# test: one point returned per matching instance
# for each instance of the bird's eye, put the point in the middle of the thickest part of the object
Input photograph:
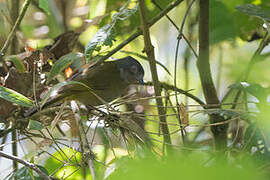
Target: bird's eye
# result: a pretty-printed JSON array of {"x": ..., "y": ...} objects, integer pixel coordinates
[{"x": 133, "y": 69}]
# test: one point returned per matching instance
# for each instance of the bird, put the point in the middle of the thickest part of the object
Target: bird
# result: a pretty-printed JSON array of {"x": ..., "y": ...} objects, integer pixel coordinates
[{"x": 103, "y": 83}]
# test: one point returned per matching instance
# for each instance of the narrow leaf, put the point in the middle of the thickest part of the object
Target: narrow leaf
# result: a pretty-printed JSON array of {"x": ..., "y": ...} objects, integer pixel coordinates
[
  {"x": 125, "y": 12},
  {"x": 63, "y": 63},
  {"x": 55, "y": 88},
  {"x": 35, "y": 125},
  {"x": 106, "y": 35},
  {"x": 253, "y": 10},
  {"x": 15, "y": 97},
  {"x": 17, "y": 63},
  {"x": 44, "y": 4}
]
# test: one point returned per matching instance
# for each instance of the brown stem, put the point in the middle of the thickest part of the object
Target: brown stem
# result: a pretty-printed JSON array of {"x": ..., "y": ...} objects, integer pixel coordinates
[
  {"x": 203, "y": 65},
  {"x": 13, "y": 50},
  {"x": 181, "y": 91},
  {"x": 28, "y": 164},
  {"x": 149, "y": 49},
  {"x": 88, "y": 155},
  {"x": 16, "y": 25},
  {"x": 252, "y": 61},
  {"x": 64, "y": 5},
  {"x": 176, "y": 27},
  {"x": 14, "y": 149},
  {"x": 139, "y": 31}
]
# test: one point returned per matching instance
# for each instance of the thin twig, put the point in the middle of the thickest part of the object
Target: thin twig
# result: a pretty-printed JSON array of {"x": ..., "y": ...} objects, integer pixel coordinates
[
  {"x": 145, "y": 58},
  {"x": 149, "y": 49},
  {"x": 139, "y": 31},
  {"x": 176, "y": 54},
  {"x": 171, "y": 87},
  {"x": 53, "y": 139},
  {"x": 253, "y": 60},
  {"x": 26, "y": 163},
  {"x": 204, "y": 69},
  {"x": 220, "y": 64},
  {"x": 175, "y": 70},
  {"x": 16, "y": 25},
  {"x": 13, "y": 50},
  {"x": 178, "y": 29},
  {"x": 88, "y": 155}
]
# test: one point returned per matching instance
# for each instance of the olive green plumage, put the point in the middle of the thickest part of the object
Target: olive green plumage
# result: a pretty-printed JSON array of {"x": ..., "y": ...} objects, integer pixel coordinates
[{"x": 107, "y": 81}]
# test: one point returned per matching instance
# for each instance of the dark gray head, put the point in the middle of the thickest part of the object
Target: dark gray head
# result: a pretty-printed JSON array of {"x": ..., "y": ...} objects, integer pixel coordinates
[{"x": 131, "y": 71}]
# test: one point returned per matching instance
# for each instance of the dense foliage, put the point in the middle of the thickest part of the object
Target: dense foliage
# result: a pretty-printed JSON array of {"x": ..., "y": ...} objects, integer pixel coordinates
[{"x": 203, "y": 114}]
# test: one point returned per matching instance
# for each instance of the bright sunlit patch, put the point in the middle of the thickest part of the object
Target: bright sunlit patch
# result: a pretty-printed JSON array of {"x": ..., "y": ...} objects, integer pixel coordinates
[
  {"x": 42, "y": 76},
  {"x": 38, "y": 43},
  {"x": 132, "y": 5},
  {"x": 81, "y": 2},
  {"x": 80, "y": 11},
  {"x": 98, "y": 8},
  {"x": 76, "y": 22},
  {"x": 150, "y": 90},
  {"x": 87, "y": 35},
  {"x": 39, "y": 16},
  {"x": 65, "y": 127},
  {"x": 257, "y": 2},
  {"x": 113, "y": 13},
  {"x": 54, "y": 93},
  {"x": 95, "y": 123},
  {"x": 244, "y": 84},
  {"x": 2, "y": 126},
  {"x": 42, "y": 30},
  {"x": 139, "y": 108}
]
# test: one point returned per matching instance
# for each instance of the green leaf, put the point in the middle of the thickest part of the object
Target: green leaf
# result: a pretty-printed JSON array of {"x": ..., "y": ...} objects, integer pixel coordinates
[
  {"x": 43, "y": 169},
  {"x": 63, "y": 63},
  {"x": 15, "y": 97},
  {"x": 52, "y": 164},
  {"x": 125, "y": 12},
  {"x": 239, "y": 86},
  {"x": 106, "y": 34},
  {"x": 222, "y": 26},
  {"x": 253, "y": 89},
  {"x": 57, "y": 87},
  {"x": 17, "y": 63},
  {"x": 257, "y": 91},
  {"x": 35, "y": 125},
  {"x": 44, "y": 4},
  {"x": 253, "y": 10},
  {"x": 26, "y": 173},
  {"x": 21, "y": 174},
  {"x": 191, "y": 167}
]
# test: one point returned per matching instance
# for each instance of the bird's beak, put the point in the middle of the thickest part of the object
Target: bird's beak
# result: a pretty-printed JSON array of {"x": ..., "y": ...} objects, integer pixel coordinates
[{"x": 141, "y": 81}]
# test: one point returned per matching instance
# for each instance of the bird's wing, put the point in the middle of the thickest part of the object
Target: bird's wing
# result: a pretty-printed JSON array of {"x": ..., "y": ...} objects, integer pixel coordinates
[{"x": 98, "y": 77}]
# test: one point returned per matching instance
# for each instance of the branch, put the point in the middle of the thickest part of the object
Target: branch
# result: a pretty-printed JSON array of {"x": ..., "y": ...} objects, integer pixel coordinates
[
  {"x": 181, "y": 91},
  {"x": 16, "y": 25},
  {"x": 88, "y": 155},
  {"x": 175, "y": 68},
  {"x": 139, "y": 31},
  {"x": 149, "y": 49},
  {"x": 176, "y": 27},
  {"x": 13, "y": 50},
  {"x": 26, "y": 163},
  {"x": 203, "y": 65},
  {"x": 252, "y": 61}
]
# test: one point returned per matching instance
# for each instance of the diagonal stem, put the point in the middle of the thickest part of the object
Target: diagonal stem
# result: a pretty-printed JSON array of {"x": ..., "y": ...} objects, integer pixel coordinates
[
  {"x": 209, "y": 90},
  {"x": 149, "y": 49},
  {"x": 13, "y": 30}
]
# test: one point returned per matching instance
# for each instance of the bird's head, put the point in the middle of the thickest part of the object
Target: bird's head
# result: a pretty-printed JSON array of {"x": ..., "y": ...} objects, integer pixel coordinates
[{"x": 131, "y": 71}]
